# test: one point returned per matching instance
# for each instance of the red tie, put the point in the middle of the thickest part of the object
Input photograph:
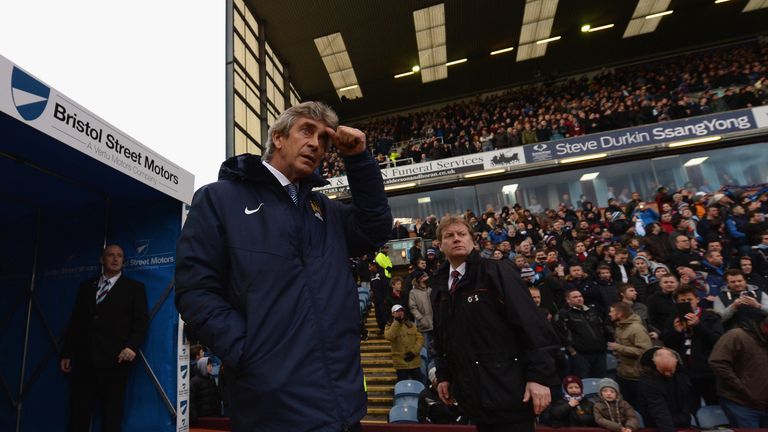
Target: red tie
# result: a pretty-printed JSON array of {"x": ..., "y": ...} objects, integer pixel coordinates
[{"x": 455, "y": 275}]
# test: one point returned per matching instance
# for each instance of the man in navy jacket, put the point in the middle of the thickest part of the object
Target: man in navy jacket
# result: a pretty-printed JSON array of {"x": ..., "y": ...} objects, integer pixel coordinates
[{"x": 263, "y": 276}]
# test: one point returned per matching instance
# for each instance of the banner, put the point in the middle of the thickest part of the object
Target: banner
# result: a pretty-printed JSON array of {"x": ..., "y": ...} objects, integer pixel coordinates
[
  {"x": 24, "y": 97},
  {"x": 657, "y": 133},
  {"x": 439, "y": 168}
]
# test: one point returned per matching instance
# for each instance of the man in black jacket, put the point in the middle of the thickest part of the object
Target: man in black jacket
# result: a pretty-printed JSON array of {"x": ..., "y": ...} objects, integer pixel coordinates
[
  {"x": 664, "y": 391},
  {"x": 493, "y": 349},
  {"x": 693, "y": 336},
  {"x": 107, "y": 328},
  {"x": 585, "y": 336},
  {"x": 661, "y": 305}
]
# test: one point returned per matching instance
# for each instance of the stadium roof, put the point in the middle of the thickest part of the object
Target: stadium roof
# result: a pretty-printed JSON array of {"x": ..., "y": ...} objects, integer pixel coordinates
[{"x": 381, "y": 40}]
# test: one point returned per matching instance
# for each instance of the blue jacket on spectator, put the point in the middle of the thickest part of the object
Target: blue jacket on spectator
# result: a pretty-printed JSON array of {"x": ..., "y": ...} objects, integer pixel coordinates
[
  {"x": 269, "y": 291},
  {"x": 646, "y": 215}
]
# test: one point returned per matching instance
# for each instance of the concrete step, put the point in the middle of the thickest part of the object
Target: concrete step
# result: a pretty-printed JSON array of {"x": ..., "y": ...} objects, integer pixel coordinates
[
  {"x": 374, "y": 420},
  {"x": 377, "y": 362},
  {"x": 375, "y": 348},
  {"x": 380, "y": 388},
  {"x": 379, "y": 370},
  {"x": 380, "y": 400},
  {"x": 379, "y": 379},
  {"x": 378, "y": 411}
]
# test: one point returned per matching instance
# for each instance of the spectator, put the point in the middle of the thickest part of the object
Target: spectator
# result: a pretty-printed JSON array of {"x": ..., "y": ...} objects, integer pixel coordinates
[
  {"x": 628, "y": 295},
  {"x": 621, "y": 268},
  {"x": 605, "y": 288},
  {"x": 396, "y": 296},
  {"x": 682, "y": 254},
  {"x": 379, "y": 288},
  {"x": 432, "y": 410},
  {"x": 661, "y": 305},
  {"x": 642, "y": 279},
  {"x": 428, "y": 228},
  {"x": 740, "y": 302},
  {"x": 632, "y": 340},
  {"x": 384, "y": 263},
  {"x": 753, "y": 278},
  {"x": 421, "y": 307},
  {"x": 585, "y": 335},
  {"x": 399, "y": 231},
  {"x": 611, "y": 411},
  {"x": 692, "y": 336},
  {"x": 664, "y": 393},
  {"x": 204, "y": 395},
  {"x": 738, "y": 361},
  {"x": 759, "y": 255},
  {"x": 715, "y": 268},
  {"x": 414, "y": 253},
  {"x": 406, "y": 343},
  {"x": 573, "y": 410}
]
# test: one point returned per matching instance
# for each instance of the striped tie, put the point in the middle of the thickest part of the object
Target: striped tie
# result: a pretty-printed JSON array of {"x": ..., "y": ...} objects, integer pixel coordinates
[
  {"x": 103, "y": 290},
  {"x": 293, "y": 191}
]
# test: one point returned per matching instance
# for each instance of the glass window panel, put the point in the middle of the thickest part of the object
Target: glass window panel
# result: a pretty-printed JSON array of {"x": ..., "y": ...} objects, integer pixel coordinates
[
  {"x": 239, "y": 23},
  {"x": 252, "y": 96},
  {"x": 269, "y": 50},
  {"x": 239, "y": 111},
  {"x": 279, "y": 102},
  {"x": 270, "y": 91},
  {"x": 239, "y": 84},
  {"x": 270, "y": 67},
  {"x": 239, "y": 49},
  {"x": 271, "y": 117},
  {"x": 254, "y": 128},
  {"x": 240, "y": 5},
  {"x": 240, "y": 142},
  {"x": 251, "y": 20},
  {"x": 441, "y": 202},
  {"x": 251, "y": 64},
  {"x": 251, "y": 41}
]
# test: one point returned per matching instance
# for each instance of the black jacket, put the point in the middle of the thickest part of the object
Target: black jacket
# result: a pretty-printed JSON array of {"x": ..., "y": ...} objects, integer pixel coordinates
[
  {"x": 644, "y": 285},
  {"x": 204, "y": 397},
  {"x": 98, "y": 332},
  {"x": 490, "y": 339},
  {"x": 582, "y": 330},
  {"x": 661, "y": 308},
  {"x": 563, "y": 415},
  {"x": 663, "y": 402},
  {"x": 703, "y": 338}
]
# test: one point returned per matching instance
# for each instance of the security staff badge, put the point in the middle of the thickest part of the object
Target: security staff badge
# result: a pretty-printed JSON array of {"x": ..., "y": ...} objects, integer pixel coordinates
[{"x": 317, "y": 210}]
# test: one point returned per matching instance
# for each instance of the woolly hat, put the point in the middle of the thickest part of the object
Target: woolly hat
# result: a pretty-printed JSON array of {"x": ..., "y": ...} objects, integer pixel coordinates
[
  {"x": 607, "y": 382},
  {"x": 660, "y": 265},
  {"x": 202, "y": 366},
  {"x": 573, "y": 379},
  {"x": 640, "y": 257},
  {"x": 431, "y": 251}
]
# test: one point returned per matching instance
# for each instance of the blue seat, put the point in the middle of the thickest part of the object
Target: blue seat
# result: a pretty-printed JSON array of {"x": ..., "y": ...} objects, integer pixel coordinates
[
  {"x": 403, "y": 414},
  {"x": 408, "y": 388},
  {"x": 610, "y": 362},
  {"x": 640, "y": 418},
  {"x": 711, "y": 416},
  {"x": 363, "y": 297},
  {"x": 406, "y": 400},
  {"x": 590, "y": 385}
]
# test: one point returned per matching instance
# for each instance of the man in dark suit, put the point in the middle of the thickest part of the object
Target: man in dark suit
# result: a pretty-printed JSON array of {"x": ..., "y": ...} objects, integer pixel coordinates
[{"x": 107, "y": 327}]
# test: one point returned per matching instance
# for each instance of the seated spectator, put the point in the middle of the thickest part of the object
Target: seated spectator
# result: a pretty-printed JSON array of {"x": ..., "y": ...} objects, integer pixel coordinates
[
  {"x": 611, "y": 411},
  {"x": 693, "y": 336},
  {"x": 204, "y": 396},
  {"x": 406, "y": 343},
  {"x": 664, "y": 393},
  {"x": 740, "y": 302},
  {"x": 738, "y": 361},
  {"x": 573, "y": 410},
  {"x": 432, "y": 410}
]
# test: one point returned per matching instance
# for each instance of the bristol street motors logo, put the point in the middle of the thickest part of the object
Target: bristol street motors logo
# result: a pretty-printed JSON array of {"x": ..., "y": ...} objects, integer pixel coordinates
[
  {"x": 29, "y": 95},
  {"x": 540, "y": 147}
]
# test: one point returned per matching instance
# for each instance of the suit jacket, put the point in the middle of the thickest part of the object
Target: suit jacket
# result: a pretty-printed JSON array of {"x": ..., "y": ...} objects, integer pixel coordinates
[{"x": 97, "y": 333}]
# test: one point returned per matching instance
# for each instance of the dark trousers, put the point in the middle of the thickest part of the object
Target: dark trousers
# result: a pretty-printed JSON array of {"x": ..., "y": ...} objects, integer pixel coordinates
[
  {"x": 586, "y": 365},
  {"x": 104, "y": 385},
  {"x": 628, "y": 389},
  {"x": 703, "y": 388},
  {"x": 410, "y": 374},
  {"x": 506, "y": 427}
]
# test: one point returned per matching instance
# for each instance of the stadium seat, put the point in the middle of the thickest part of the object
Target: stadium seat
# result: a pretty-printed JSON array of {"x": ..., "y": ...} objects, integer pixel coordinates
[
  {"x": 408, "y": 388},
  {"x": 611, "y": 363},
  {"x": 406, "y": 400},
  {"x": 640, "y": 419},
  {"x": 590, "y": 385},
  {"x": 403, "y": 414},
  {"x": 711, "y": 416}
]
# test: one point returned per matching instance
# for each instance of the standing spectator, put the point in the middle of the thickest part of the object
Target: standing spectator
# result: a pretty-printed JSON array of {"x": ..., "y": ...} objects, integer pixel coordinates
[
  {"x": 682, "y": 254},
  {"x": 621, "y": 268},
  {"x": 106, "y": 330},
  {"x": 628, "y": 295},
  {"x": 753, "y": 278},
  {"x": 693, "y": 336},
  {"x": 738, "y": 361},
  {"x": 661, "y": 305},
  {"x": 490, "y": 339},
  {"x": 406, "y": 343},
  {"x": 632, "y": 340},
  {"x": 584, "y": 335},
  {"x": 664, "y": 393},
  {"x": 642, "y": 278},
  {"x": 396, "y": 296},
  {"x": 385, "y": 264},
  {"x": 428, "y": 228},
  {"x": 244, "y": 300},
  {"x": 204, "y": 394},
  {"x": 399, "y": 231},
  {"x": 414, "y": 252},
  {"x": 612, "y": 412},
  {"x": 573, "y": 410},
  {"x": 380, "y": 290},
  {"x": 740, "y": 302},
  {"x": 421, "y": 307},
  {"x": 605, "y": 290},
  {"x": 759, "y": 255}
]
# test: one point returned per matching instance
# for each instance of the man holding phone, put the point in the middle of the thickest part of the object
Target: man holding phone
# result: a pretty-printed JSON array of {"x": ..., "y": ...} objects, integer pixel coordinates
[
  {"x": 693, "y": 333},
  {"x": 740, "y": 303}
]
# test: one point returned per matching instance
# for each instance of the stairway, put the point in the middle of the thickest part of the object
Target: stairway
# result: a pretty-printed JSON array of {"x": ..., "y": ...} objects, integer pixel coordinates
[{"x": 379, "y": 373}]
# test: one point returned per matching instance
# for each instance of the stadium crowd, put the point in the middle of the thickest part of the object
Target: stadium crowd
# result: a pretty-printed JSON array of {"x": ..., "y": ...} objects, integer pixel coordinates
[
  {"x": 676, "y": 298},
  {"x": 694, "y": 84}
]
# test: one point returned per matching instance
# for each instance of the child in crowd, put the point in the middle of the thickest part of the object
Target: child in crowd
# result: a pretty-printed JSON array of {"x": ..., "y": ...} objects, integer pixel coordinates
[
  {"x": 611, "y": 411},
  {"x": 574, "y": 410}
]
